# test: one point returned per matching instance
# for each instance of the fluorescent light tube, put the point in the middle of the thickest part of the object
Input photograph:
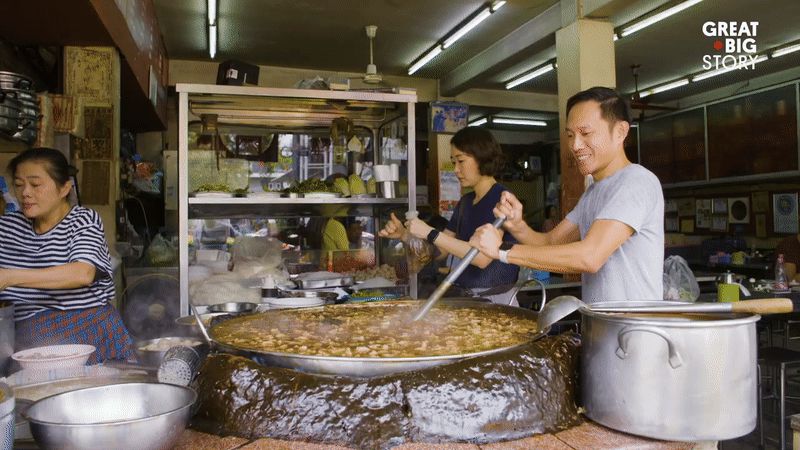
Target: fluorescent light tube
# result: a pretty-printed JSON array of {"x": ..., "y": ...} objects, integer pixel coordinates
[
  {"x": 425, "y": 59},
  {"x": 212, "y": 12},
  {"x": 536, "y": 123},
  {"x": 529, "y": 76},
  {"x": 212, "y": 40},
  {"x": 713, "y": 73},
  {"x": 665, "y": 87},
  {"x": 478, "y": 122},
  {"x": 657, "y": 17},
  {"x": 468, "y": 26},
  {"x": 786, "y": 50},
  {"x": 497, "y": 5}
]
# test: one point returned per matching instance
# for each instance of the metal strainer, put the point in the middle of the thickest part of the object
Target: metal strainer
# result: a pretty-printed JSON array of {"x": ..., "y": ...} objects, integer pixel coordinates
[{"x": 180, "y": 365}]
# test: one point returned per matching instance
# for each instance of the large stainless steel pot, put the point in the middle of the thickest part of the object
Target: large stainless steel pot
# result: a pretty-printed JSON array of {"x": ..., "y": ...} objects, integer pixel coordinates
[
  {"x": 682, "y": 377},
  {"x": 11, "y": 80},
  {"x": 370, "y": 367},
  {"x": 6, "y": 336}
]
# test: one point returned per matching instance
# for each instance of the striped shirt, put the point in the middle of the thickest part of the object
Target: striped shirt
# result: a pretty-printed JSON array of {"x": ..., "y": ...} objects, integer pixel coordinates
[{"x": 78, "y": 237}]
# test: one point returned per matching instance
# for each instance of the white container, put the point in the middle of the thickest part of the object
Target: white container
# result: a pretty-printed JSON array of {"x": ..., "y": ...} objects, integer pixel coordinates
[
  {"x": 293, "y": 302},
  {"x": 54, "y": 356}
]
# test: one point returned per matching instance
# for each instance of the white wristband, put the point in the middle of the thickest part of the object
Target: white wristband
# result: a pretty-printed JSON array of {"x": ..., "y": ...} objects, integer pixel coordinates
[{"x": 503, "y": 256}]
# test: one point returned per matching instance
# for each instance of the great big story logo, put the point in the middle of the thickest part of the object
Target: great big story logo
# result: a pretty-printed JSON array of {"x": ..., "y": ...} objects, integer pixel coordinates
[{"x": 735, "y": 45}]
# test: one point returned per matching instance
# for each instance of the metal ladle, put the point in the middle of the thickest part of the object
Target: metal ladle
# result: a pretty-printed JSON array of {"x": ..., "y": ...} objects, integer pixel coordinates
[
  {"x": 562, "y": 306},
  {"x": 452, "y": 277}
]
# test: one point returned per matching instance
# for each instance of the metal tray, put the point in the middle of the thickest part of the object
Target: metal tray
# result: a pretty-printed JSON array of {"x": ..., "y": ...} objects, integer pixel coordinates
[{"x": 327, "y": 283}]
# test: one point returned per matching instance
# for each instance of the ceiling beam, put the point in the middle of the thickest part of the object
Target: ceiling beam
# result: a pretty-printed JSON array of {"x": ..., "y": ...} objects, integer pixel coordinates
[
  {"x": 509, "y": 99},
  {"x": 513, "y": 44}
]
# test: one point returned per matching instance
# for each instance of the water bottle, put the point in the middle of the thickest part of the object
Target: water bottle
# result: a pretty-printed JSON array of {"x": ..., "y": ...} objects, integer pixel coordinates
[{"x": 781, "y": 285}]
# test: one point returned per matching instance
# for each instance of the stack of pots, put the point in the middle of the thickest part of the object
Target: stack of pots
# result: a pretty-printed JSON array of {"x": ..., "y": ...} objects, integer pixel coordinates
[{"x": 19, "y": 107}]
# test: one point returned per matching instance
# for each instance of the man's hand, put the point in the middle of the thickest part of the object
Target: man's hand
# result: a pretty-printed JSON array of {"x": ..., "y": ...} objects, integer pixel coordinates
[
  {"x": 510, "y": 208},
  {"x": 487, "y": 239},
  {"x": 418, "y": 228},
  {"x": 5, "y": 280},
  {"x": 394, "y": 229}
]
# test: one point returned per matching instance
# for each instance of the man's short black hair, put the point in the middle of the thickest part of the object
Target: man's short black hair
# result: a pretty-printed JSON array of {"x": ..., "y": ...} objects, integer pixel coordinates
[{"x": 613, "y": 107}]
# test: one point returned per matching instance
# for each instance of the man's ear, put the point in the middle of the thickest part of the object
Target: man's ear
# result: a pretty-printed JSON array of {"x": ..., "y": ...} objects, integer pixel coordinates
[{"x": 622, "y": 127}]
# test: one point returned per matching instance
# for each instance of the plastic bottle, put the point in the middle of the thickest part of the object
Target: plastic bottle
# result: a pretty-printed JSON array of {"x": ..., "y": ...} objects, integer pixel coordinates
[{"x": 781, "y": 284}]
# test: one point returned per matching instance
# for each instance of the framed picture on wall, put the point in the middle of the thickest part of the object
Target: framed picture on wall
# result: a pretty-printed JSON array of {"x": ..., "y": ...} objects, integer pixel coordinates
[
  {"x": 784, "y": 207},
  {"x": 703, "y": 213},
  {"x": 719, "y": 223},
  {"x": 670, "y": 205},
  {"x": 671, "y": 224},
  {"x": 760, "y": 202},
  {"x": 719, "y": 206},
  {"x": 685, "y": 206}
]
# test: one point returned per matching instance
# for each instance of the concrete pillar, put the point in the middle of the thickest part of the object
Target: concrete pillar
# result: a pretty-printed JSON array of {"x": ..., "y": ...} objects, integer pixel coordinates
[{"x": 585, "y": 56}]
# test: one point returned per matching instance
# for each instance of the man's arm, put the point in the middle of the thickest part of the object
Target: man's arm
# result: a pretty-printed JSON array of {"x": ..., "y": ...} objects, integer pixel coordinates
[{"x": 572, "y": 255}]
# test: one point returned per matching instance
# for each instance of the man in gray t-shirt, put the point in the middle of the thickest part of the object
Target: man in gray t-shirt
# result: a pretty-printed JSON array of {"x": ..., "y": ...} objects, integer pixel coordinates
[{"x": 615, "y": 235}]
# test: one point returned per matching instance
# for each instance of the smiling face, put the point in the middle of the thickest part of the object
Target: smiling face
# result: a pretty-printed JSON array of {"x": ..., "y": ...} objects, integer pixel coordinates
[
  {"x": 38, "y": 194},
  {"x": 596, "y": 144},
  {"x": 466, "y": 167}
]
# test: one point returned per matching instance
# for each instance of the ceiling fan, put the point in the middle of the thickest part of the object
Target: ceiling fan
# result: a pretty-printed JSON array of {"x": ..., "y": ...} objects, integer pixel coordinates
[
  {"x": 637, "y": 102},
  {"x": 371, "y": 75}
]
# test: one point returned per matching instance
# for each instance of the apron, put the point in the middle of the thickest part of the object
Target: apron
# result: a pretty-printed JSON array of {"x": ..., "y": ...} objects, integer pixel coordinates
[{"x": 100, "y": 326}]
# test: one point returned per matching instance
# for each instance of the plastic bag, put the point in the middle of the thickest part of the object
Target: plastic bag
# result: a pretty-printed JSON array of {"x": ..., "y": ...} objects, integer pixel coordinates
[
  {"x": 679, "y": 281},
  {"x": 161, "y": 252},
  {"x": 418, "y": 251}
]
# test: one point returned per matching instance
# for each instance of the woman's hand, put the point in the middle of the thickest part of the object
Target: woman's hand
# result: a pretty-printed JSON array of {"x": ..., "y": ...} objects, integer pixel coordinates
[
  {"x": 394, "y": 229},
  {"x": 418, "y": 228},
  {"x": 487, "y": 239},
  {"x": 5, "y": 280},
  {"x": 510, "y": 208}
]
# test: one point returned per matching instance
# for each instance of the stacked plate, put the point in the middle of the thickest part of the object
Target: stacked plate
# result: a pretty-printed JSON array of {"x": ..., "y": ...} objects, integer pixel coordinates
[
  {"x": 19, "y": 107},
  {"x": 290, "y": 302}
]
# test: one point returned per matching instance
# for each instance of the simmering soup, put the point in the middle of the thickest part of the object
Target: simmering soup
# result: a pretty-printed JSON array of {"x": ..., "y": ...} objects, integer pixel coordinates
[{"x": 376, "y": 330}]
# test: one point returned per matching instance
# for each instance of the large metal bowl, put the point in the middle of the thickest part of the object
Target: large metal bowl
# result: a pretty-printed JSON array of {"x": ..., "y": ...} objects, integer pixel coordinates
[
  {"x": 129, "y": 415},
  {"x": 373, "y": 367},
  {"x": 233, "y": 307}
]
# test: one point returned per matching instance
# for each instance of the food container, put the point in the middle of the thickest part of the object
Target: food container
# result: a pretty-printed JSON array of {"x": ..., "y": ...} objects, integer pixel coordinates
[
  {"x": 677, "y": 377},
  {"x": 344, "y": 280},
  {"x": 233, "y": 307},
  {"x": 151, "y": 352},
  {"x": 6, "y": 416},
  {"x": 291, "y": 302},
  {"x": 54, "y": 356}
]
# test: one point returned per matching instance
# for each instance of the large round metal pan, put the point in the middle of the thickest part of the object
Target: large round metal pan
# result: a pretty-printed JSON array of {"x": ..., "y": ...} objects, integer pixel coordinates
[{"x": 372, "y": 367}]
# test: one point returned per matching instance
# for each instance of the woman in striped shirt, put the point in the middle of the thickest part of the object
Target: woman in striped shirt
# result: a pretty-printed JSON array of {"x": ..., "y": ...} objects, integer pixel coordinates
[{"x": 55, "y": 265}]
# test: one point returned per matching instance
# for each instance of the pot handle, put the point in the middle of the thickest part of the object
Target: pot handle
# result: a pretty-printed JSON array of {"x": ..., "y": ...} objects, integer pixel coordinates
[{"x": 675, "y": 359}]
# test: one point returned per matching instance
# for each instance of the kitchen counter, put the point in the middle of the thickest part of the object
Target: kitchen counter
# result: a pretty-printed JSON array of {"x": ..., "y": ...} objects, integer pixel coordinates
[{"x": 587, "y": 436}]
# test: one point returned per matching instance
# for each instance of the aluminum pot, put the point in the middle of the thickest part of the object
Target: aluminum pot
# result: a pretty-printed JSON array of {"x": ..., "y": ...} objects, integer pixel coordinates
[
  {"x": 6, "y": 416},
  {"x": 11, "y": 80},
  {"x": 6, "y": 336},
  {"x": 681, "y": 377}
]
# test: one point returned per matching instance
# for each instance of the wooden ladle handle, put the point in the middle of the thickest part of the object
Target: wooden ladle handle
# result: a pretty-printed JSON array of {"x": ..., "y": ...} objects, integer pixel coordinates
[{"x": 765, "y": 306}]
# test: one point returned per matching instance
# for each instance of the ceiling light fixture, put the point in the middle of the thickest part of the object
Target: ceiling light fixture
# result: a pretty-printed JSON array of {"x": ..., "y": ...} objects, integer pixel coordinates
[
  {"x": 455, "y": 36},
  {"x": 212, "y": 40},
  {"x": 786, "y": 50},
  {"x": 479, "y": 122},
  {"x": 424, "y": 60},
  {"x": 535, "y": 123},
  {"x": 629, "y": 30},
  {"x": 664, "y": 87},
  {"x": 212, "y": 28},
  {"x": 212, "y": 12},
  {"x": 530, "y": 75},
  {"x": 720, "y": 71}
]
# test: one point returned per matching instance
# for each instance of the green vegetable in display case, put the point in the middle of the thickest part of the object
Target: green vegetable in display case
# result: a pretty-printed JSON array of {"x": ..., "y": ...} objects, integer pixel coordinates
[
  {"x": 213, "y": 187},
  {"x": 310, "y": 185}
]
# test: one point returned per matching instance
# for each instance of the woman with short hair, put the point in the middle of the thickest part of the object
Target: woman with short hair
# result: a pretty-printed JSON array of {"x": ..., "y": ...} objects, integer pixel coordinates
[
  {"x": 477, "y": 157},
  {"x": 55, "y": 264}
]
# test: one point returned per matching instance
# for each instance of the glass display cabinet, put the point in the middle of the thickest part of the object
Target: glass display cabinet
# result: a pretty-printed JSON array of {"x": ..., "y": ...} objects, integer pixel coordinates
[{"x": 315, "y": 172}]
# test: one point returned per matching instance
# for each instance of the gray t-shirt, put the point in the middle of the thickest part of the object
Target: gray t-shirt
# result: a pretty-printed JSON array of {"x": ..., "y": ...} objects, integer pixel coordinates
[{"x": 632, "y": 196}]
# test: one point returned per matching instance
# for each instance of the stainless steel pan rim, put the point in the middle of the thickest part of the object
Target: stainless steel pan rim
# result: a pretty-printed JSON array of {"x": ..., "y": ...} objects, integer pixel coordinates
[{"x": 366, "y": 366}]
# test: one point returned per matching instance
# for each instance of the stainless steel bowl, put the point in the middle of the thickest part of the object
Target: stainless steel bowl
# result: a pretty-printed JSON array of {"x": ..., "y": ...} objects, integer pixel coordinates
[
  {"x": 188, "y": 324},
  {"x": 128, "y": 415},
  {"x": 233, "y": 307},
  {"x": 153, "y": 357}
]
